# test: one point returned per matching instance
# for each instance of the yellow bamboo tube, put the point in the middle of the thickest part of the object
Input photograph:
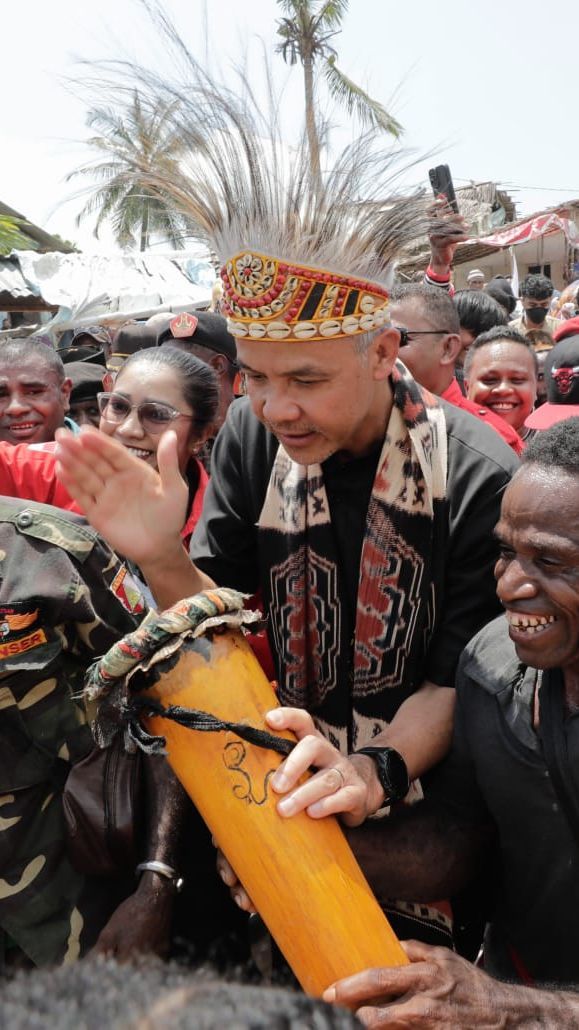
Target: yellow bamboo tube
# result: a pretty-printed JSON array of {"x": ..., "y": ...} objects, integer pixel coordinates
[{"x": 300, "y": 872}]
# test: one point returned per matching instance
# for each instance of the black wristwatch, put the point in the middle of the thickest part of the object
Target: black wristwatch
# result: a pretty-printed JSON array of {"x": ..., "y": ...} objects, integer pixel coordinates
[{"x": 391, "y": 770}]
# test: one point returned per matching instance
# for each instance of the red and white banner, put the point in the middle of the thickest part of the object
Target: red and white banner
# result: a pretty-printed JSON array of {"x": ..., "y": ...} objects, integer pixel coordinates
[{"x": 542, "y": 225}]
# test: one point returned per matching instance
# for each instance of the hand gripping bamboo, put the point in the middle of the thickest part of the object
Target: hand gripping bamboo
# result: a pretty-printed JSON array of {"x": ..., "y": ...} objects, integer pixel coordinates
[{"x": 300, "y": 872}]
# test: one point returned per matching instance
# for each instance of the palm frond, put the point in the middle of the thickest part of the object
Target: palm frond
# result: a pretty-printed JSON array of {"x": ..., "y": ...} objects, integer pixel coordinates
[
  {"x": 289, "y": 47},
  {"x": 237, "y": 184},
  {"x": 134, "y": 137},
  {"x": 332, "y": 14},
  {"x": 357, "y": 101}
]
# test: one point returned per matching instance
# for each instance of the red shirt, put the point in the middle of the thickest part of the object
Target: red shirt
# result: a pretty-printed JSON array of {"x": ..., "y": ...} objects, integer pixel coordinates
[
  {"x": 30, "y": 473},
  {"x": 195, "y": 513},
  {"x": 453, "y": 395}
]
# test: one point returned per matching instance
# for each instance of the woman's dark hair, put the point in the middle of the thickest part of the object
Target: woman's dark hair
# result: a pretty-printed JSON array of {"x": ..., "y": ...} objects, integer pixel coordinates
[
  {"x": 477, "y": 312},
  {"x": 500, "y": 290},
  {"x": 199, "y": 382}
]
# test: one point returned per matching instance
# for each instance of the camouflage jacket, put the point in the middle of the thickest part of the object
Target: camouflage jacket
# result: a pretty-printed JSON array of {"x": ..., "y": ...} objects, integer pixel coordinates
[{"x": 64, "y": 599}]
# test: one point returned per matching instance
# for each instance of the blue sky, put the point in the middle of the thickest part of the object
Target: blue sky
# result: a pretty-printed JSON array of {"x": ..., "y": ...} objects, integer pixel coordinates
[{"x": 491, "y": 86}]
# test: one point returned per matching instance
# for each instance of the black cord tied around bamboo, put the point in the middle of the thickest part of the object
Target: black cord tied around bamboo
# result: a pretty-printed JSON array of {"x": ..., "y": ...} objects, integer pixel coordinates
[{"x": 194, "y": 719}]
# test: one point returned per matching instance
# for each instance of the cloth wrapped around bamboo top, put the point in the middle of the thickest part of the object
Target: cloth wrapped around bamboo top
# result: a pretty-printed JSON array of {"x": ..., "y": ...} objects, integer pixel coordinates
[{"x": 191, "y": 669}]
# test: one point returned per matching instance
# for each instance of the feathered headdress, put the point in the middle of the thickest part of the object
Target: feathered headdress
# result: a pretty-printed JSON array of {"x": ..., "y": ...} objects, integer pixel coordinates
[{"x": 304, "y": 256}]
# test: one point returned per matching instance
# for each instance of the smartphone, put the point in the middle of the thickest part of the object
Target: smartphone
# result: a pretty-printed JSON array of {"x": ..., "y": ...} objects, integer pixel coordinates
[{"x": 441, "y": 182}]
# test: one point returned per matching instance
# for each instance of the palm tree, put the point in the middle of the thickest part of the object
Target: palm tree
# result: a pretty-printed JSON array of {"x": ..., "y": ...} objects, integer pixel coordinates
[
  {"x": 306, "y": 33},
  {"x": 137, "y": 143}
]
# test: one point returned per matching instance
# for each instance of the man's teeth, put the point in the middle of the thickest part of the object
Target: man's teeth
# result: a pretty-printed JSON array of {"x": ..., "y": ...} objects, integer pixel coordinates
[{"x": 530, "y": 623}]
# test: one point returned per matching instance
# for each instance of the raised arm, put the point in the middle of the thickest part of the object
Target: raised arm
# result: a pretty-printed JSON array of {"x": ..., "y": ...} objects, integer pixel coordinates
[
  {"x": 443, "y": 243},
  {"x": 139, "y": 511}
]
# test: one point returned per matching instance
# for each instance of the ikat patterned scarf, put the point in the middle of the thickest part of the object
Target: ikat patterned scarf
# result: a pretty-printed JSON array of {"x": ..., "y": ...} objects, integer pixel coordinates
[{"x": 352, "y": 683}]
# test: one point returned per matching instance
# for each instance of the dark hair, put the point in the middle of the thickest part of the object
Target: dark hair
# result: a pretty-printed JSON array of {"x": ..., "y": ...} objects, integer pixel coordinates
[
  {"x": 536, "y": 286},
  {"x": 496, "y": 335},
  {"x": 557, "y": 447},
  {"x": 501, "y": 294},
  {"x": 14, "y": 351},
  {"x": 198, "y": 381},
  {"x": 502, "y": 283},
  {"x": 206, "y": 354},
  {"x": 102, "y": 992},
  {"x": 541, "y": 340},
  {"x": 436, "y": 304},
  {"x": 477, "y": 311}
]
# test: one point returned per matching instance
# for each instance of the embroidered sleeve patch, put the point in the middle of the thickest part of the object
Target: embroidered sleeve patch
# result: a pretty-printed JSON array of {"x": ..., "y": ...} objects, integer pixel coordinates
[
  {"x": 14, "y": 647},
  {"x": 124, "y": 587},
  {"x": 18, "y": 617}
]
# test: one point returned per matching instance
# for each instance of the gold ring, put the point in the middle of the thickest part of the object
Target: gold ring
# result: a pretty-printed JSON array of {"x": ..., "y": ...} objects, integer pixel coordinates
[{"x": 342, "y": 782}]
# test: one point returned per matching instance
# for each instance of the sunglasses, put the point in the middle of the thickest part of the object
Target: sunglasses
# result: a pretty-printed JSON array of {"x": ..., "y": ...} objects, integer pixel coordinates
[
  {"x": 407, "y": 335},
  {"x": 153, "y": 415}
]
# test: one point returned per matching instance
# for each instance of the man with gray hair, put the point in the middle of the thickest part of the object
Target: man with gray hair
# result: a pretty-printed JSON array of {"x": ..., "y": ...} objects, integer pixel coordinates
[{"x": 360, "y": 506}]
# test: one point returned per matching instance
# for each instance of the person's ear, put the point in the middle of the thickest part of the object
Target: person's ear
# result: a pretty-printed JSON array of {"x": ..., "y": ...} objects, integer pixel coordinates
[
  {"x": 197, "y": 441},
  {"x": 65, "y": 389},
  {"x": 220, "y": 364},
  {"x": 384, "y": 351},
  {"x": 451, "y": 348}
]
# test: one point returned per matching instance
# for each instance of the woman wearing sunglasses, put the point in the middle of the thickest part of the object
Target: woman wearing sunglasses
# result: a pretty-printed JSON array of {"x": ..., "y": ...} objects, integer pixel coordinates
[
  {"x": 163, "y": 388},
  {"x": 157, "y": 389}
]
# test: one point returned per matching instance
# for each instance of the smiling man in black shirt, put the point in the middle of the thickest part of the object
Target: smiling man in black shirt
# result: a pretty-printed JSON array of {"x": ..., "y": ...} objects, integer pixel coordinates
[{"x": 509, "y": 788}]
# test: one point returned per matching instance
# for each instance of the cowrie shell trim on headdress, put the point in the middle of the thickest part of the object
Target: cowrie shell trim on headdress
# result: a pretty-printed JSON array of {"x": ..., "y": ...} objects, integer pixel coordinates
[{"x": 306, "y": 303}]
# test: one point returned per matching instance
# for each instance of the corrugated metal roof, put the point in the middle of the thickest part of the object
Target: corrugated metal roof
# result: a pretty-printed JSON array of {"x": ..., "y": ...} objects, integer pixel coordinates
[{"x": 13, "y": 285}]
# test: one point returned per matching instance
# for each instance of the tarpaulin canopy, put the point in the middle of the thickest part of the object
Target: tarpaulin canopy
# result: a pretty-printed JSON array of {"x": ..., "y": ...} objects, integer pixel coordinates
[
  {"x": 88, "y": 288},
  {"x": 532, "y": 229}
]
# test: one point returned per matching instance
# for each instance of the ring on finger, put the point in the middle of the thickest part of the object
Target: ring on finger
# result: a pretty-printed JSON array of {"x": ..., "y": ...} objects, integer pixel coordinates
[{"x": 342, "y": 782}]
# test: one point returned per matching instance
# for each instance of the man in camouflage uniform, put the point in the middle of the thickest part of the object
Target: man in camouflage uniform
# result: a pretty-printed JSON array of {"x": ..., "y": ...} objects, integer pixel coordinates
[{"x": 64, "y": 598}]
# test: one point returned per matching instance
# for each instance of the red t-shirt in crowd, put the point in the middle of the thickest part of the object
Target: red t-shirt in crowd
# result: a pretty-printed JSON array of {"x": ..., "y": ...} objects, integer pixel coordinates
[
  {"x": 30, "y": 473},
  {"x": 453, "y": 395}
]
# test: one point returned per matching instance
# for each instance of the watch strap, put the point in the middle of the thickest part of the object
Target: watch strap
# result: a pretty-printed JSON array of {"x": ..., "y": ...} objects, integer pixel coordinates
[{"x": 382, "y": 758}]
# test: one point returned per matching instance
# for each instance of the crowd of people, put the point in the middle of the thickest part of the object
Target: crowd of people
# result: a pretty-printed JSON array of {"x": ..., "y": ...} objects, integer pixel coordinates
[{"x": 389, "y": 471}]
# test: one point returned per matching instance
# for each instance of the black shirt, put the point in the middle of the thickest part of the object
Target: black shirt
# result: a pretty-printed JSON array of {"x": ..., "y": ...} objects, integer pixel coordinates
[
  {"x": 225, "y": 544},
  {"x": 348, "y": 487},
  {"x": 496, "y": 772}
]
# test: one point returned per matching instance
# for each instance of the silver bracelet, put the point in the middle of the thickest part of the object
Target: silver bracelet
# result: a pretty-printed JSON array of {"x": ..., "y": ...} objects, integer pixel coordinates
[{"x": 163, "y": 870}]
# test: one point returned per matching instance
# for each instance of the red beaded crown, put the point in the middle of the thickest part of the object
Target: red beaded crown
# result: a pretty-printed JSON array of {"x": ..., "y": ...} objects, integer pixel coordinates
[{"x": 269, "y": 299}]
